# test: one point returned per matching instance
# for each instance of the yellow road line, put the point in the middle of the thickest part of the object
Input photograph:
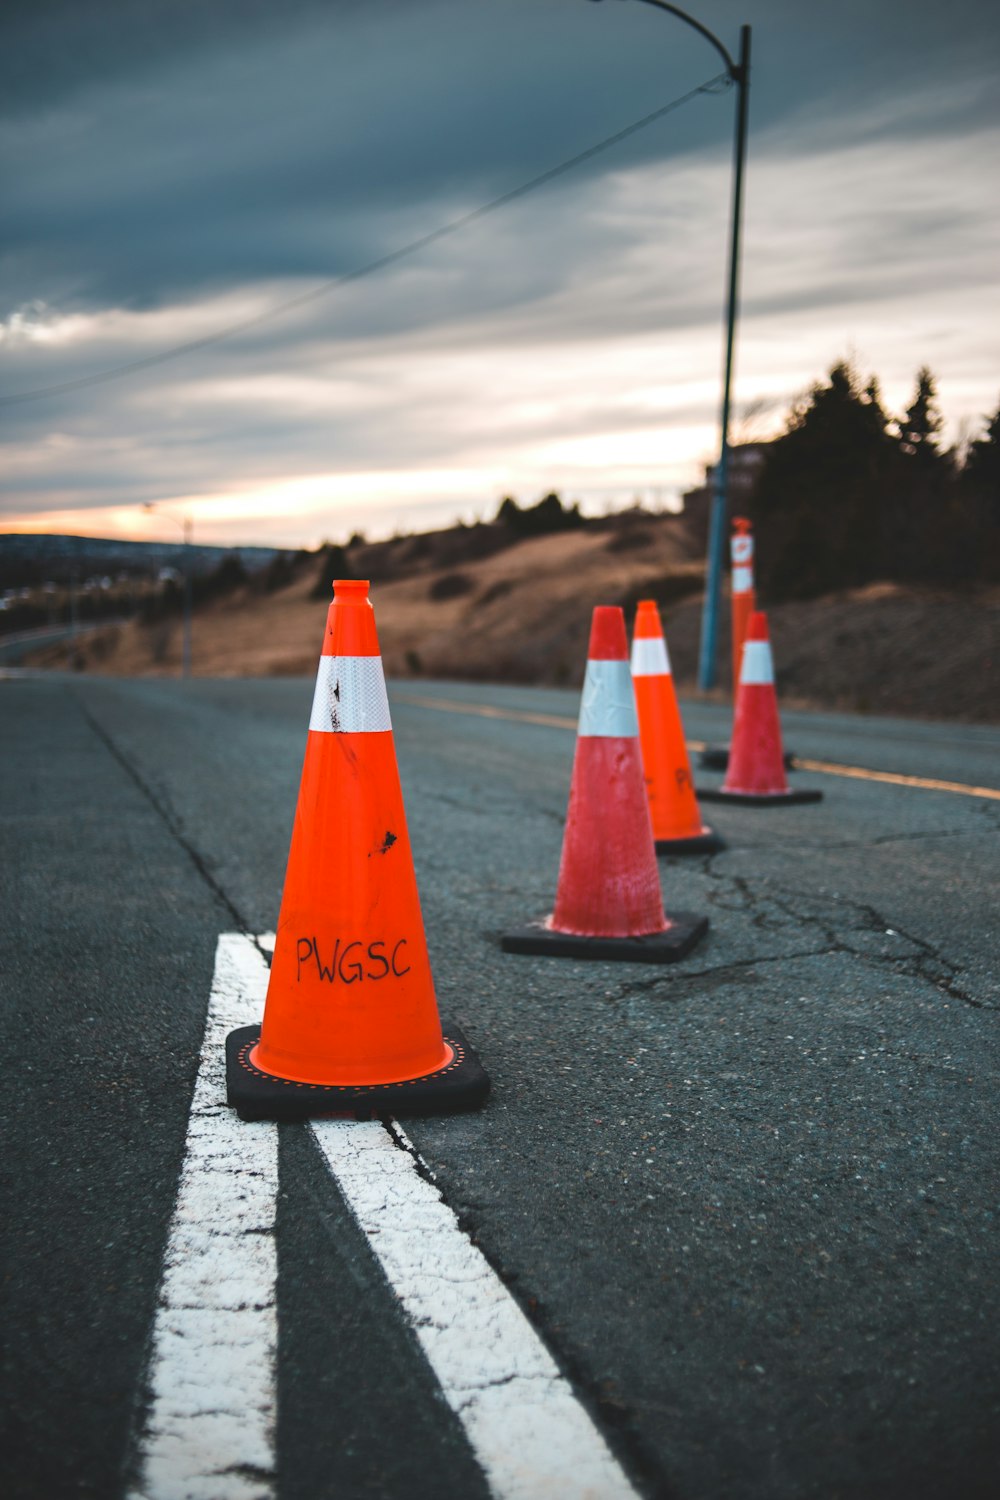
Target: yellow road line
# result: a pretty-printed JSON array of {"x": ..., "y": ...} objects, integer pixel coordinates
[
  {"x": 926, "y": 783},
  {"x": 486, "y": 711},
  {"x": 824, "y": 767}
]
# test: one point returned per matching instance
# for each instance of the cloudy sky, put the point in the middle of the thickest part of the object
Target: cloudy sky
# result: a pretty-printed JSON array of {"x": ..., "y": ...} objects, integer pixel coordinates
[{"x": 175, "y": 168}]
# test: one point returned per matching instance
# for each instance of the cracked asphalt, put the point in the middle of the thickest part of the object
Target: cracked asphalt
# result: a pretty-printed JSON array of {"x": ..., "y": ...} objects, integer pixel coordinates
[{"x": 749, "y": 1200}]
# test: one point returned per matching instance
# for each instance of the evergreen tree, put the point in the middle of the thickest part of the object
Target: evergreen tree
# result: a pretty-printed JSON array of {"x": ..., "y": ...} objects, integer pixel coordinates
[
  {"x": 872, "y": 401},
  {"x": 539, "y": 520},
  {"x": 982, "y": 464},
  {"x": 918, "y": 429},
  {"x": 927, "y": 519},
  {"x": 979, "y": 489},
  {"x": 848, "y": 495},
  {"x": 818, "y": 503},
  {"x": 509, "y": 512}
]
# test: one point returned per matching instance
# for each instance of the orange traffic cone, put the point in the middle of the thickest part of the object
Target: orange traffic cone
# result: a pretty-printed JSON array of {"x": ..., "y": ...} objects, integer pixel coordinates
[
  {"x": 608, "y": 902},
  {"x": 756, "y": 773},
  {"x": 673, "y": 805},
  {"x": 350, "y": 1022}
]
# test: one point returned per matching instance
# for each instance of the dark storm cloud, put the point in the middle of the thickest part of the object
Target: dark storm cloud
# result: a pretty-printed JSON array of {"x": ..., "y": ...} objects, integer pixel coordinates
[
  {"x": 171, "y": 167},
  {"x": 55, "y": 48},
  {"x": 171, "y": 147},
  {"x": 256, "y": 153}
]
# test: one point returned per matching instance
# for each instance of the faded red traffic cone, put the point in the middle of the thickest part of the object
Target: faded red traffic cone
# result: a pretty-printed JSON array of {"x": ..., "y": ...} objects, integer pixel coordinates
[
  {"x": 673, "y": 803},
  {"x": 350, "y": 1021},
  {"x": 756, "y": 773},
  {"x": 608, "y": 903}
]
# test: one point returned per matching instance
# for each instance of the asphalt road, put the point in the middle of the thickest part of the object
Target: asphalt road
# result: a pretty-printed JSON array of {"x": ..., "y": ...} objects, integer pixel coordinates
[{"x": 748, "y": 1202}]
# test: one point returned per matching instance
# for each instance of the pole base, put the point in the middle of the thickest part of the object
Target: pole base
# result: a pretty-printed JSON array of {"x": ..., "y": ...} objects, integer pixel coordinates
[
  {"x": 461, "y": 1084},
  {"x": 716, "y": 758},
  {"x": 705, "y": 842},
  {"x": 685, "y": 930},
  {"x": 759, "y": 799}
]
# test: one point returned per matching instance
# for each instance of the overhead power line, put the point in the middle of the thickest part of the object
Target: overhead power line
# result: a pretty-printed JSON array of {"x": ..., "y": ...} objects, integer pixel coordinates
[{"x": 119, "y": 372}]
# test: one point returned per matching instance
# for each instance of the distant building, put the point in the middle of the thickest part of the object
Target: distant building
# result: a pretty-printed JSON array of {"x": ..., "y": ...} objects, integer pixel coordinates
[{"x": 745, "y": 463}]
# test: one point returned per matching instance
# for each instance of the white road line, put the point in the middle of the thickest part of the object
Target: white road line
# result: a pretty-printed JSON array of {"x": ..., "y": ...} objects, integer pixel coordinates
[
  {"x": 209, "y": 1433},
  {"x": 531, "y": 1436}
]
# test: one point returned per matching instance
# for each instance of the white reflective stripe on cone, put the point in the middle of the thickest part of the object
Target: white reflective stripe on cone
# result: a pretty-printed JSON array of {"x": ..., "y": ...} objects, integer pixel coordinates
[
  {"x": 607, "y": 707},
  {"x": 758, "y": 666},
  {"x": 742, "y": 580},
  {"x": 741, "y": 549},
  {"x": 649, "y": 657},
  {"x": 350, "y": 696}
]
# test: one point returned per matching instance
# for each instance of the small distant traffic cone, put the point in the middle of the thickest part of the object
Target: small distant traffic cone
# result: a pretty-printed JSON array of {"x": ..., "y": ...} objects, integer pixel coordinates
[
  {"x": 673, "y": 805},
  {"x": 743, "y": 595},
  {"x": 350, "y": 1021},
  {"x": 608, "y": 902},
  {"x": 756, "y": 773},
  {"x": 743, "y": 603}
]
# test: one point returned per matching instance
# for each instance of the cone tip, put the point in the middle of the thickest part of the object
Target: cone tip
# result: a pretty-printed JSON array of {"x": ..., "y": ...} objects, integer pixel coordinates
[
  {"x": 351, "y": 590},
  {"x": 757, "y": 628},
  {"x": 647, "y": 619},
  {"x": 608, "y": 641},
  {"x": 350, "y": 620},
  {"x": 742, "y": 525}
]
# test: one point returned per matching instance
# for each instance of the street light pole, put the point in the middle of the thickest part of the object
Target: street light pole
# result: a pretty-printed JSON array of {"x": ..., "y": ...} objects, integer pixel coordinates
[
  {"x": 187, "y": 526},
  {"x": 739, "y": 73}
]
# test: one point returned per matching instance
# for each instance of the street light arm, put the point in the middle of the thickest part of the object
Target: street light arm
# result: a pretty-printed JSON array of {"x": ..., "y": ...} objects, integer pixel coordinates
[
  {"x": 732, "y": 68},
  {"x": 184, "y": 522}
]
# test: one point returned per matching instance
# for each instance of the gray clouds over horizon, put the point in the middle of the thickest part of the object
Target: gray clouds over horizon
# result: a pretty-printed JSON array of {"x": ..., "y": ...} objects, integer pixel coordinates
[{"x": 170, "y": 167}]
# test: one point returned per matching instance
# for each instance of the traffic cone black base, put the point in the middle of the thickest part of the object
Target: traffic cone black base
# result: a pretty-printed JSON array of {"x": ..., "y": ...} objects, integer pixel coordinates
[
  {"x": 716, "y": 758},
  {"x": 461, "y": 1084},
  {"x": 706, "y": 842},
  {"x": 759, "y": 799},
  {"x": 676, "y": 941}
]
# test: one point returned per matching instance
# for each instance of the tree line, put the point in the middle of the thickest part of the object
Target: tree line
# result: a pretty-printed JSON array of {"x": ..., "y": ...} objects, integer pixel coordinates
[{"x": 850, "y": 495}]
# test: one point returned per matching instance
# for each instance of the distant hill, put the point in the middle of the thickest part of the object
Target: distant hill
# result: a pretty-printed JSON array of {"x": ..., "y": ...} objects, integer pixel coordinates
[
  {"x": 28, "y": 558},
  {"x": 490, "y": 602}
]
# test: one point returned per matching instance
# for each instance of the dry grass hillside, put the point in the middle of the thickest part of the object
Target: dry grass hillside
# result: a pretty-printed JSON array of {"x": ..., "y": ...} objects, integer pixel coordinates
[{"x": 469, "y": 604}]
